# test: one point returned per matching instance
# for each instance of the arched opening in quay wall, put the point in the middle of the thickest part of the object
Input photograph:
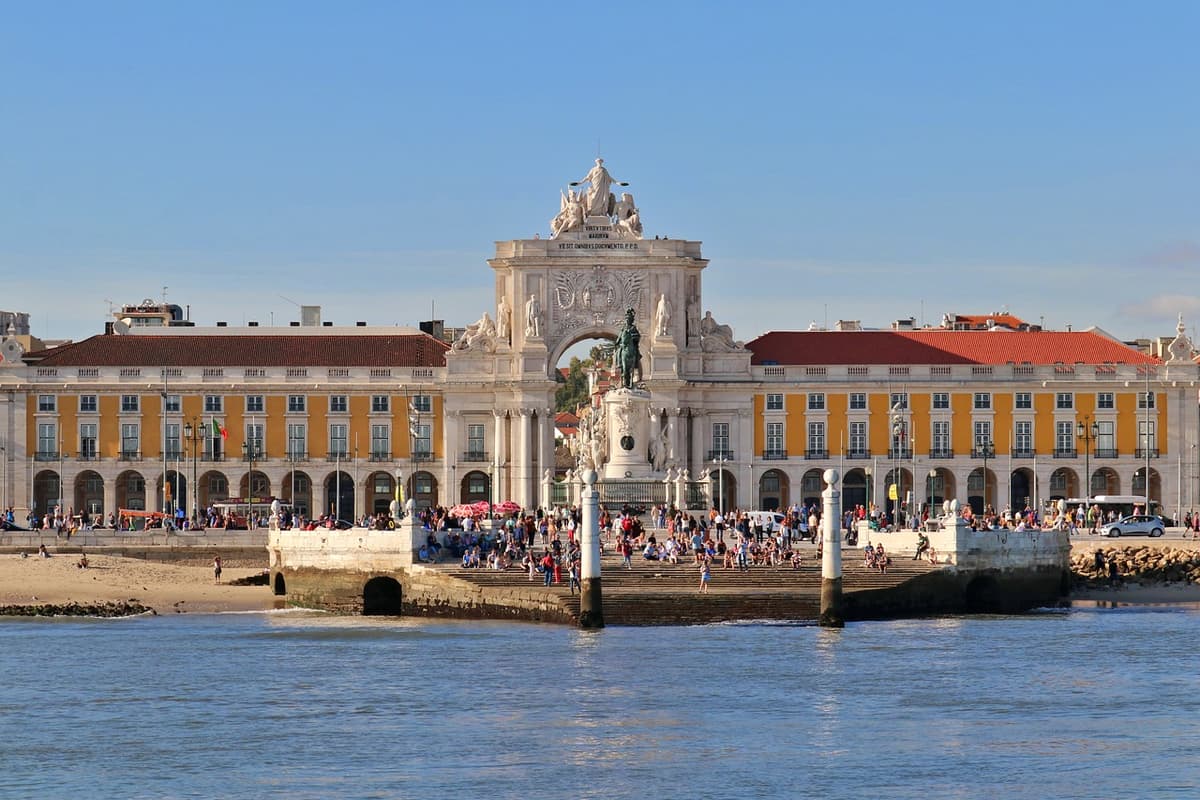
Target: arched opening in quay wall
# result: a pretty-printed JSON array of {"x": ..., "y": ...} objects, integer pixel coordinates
[
  {"x": 382, "y": 596},
  {"x": 280, "y": 585}
]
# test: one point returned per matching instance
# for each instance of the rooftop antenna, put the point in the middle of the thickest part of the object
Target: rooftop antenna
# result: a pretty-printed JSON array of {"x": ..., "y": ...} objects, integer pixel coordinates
[
  {"x": 111, "y": 306},
  {"x": 164, "y": 295},
  {"x": 290, "y": 300}
]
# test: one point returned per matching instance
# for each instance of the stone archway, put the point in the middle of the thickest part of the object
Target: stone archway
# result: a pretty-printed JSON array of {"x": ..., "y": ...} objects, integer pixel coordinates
[
  {"x": 773, "y": 489},
  {"x": 89, "y": 494},
  {"x": 339, "y": 496},
  {"x": 213, "y": 488},
  {"x": 280, "y": 584},
  {"x": 476, "y": 486},
  {"x": 1021, "y": 494},
  {"x": 902, "y": 478},
  {"x": 381, "y": 490},
  {"x": 301, "y": 499},
  {"x": 724, "y": 489},
  {"x": 255, "y": 486},
  {"x": 46, "y": 491},
  {"x": 854, "y": 489},
  {"x": 1064, "y": 483},
  {"x": 131, "y": 490},
  {"x": 1106, "y": 481},
  {"x": 423, "y": 489},
  {"x": 382, "y": 595}
]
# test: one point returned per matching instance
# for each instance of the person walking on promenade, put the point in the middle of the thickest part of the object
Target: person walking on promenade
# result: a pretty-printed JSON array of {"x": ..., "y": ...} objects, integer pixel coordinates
[
  {"x": 216, "y": 569},
  {"x": 573, "y": 573},
  {"x": 705, "y": 575}
]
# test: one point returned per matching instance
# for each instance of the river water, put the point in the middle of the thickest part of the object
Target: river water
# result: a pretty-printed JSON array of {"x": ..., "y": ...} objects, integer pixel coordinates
[{"x": 1086, "y": 703}]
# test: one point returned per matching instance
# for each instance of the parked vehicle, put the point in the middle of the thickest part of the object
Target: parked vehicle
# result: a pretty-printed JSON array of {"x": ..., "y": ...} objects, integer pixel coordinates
[{"x": 1134, "y": 525}]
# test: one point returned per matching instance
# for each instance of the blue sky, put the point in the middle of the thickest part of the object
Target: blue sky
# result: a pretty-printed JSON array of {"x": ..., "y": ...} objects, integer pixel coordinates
[{"x": 858, "y": 160}]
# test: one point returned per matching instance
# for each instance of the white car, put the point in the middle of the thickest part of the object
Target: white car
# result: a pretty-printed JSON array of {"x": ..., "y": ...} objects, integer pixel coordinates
[{"x": 1134, "y": 525}]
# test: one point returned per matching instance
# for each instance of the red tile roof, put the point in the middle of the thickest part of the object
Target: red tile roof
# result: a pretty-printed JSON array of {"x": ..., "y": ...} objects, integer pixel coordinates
[
  {"x": 265, "y": 350},
  {"x": 938, "y": 346},
  {"x": 980, "y": 321}
]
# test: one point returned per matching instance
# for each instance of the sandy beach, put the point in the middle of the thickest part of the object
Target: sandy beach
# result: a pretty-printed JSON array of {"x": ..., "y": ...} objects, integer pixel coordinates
[{"x": 167, "y": 588}]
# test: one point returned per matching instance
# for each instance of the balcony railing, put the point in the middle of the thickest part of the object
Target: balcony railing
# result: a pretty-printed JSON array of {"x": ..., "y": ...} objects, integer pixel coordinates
[
  {"x": 813, "y": 454},
  {"x": 173, "y": 455},
  {"x": 1022, "y": 453},
  {"x": 941, "y": 452},
  {"x": 476, "y": 456},
  {"x": 901, "y": 452},
  {"x": 380, "y": 455},
  {"x": 1142, "y": 452},
  {"x": 1066, "y": 452},
  {"x": 858, "y": 454},
  {"x": 212, "y": 457},
  {"x": 774, "y": 455},
  {"x": 979, "y": 452},
  {"x": 88, "y": 456},
  {"x": 337, "y": 455},
  {"x": 1105, "y": 453},
  {"x": 46, "y": 455},
  {"x": 422, "y": 455},
  {"x": 129, "y": 455},
  {"x": 716, "y": 455}
]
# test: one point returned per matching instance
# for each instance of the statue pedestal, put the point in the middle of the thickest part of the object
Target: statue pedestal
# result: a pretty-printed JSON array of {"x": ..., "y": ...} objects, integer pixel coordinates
[
  {"x": 664, "y": 358},
  {"x": 627, "y": 414}
]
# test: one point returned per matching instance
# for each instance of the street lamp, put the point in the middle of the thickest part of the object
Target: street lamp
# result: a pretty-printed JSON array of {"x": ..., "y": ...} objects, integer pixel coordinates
[
  {"x": 250, "y": 450},
  {"x": 721, "y": 461},
  {"x": 193, "y": 431},
  {"x": 987, "y": 449},
  {"x": 397, "y": 507},
  {"x": 898, "y": 439},
  {"x": 1088, "y": 434}
]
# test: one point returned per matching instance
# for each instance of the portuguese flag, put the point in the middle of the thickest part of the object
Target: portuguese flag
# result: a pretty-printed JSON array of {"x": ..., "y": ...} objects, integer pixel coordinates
[{"x": 217, "y": 429}]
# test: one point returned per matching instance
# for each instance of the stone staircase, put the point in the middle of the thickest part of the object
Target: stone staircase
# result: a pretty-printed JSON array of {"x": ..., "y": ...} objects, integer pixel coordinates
[{"x": 654, "y": 593}]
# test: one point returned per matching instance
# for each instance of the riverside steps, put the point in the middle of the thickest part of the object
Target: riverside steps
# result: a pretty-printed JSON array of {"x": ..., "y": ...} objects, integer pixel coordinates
[{"x": 660, "y": 593}]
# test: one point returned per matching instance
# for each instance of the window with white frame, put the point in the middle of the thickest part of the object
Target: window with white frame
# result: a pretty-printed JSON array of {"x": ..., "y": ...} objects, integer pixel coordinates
[
  {"x": 858, "y": 437},
  {"x": 297, "y": 439},
  {"x": 214, "y": 404},
  {"x": 47, "y": 402},
  {"x": 422, "y": 403},
  {"x": 941, "y": 401},
  {"x": 422, "y": 440},
  {"x": 858, "y": 401},
  {"x": 1105, "y": 437},
  {"x": 816, "y": 401},
  {"x": 1064, "y": 437},
  {"x": 88, "y": 448},
  {"x": 297, "y": 403},
  {"x": 983, "y": 401},
  {"x": 1145, "y": 399},
  {"x": 1064, "y": 401},
  {"x": 173, "y": 404},
  {"x": 475, "y": 440},
  {"x": 1105, "y": 400},
  {"x": 338, "y": 442},
  {"x": 88, "y": 404},
  {"x": 131, "y": 440},
  {"x": 130, "y": 403},
  {"x": 720, "y": 437},
  {"x": 254, "y": 439},
  {"x": 1023, "y": 401},
  {"x": 254, "y": 404},
  {"x": 816, "y": 437},
  {"x": 899, "y": 399},
  {"x": 174, "y": 449},
  {"x": 47, "y": 439},
  {"x": 941, "y": 436},
  {"x": 380, "y": 403},
  {"x": 774, "y": 437},
  {"x": 381, "y": 441},
  {"x": 338, "y": 404},
  {"x": 775, "y": 402},
  {"x": 1023, "y": 436},
  {"x": 983, "y": 434},
  {"x": 1147, "y": 440}
]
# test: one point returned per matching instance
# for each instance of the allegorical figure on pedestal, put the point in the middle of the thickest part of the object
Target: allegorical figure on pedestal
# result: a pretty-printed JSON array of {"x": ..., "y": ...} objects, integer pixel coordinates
[
  {"x": 599, "y": 198},
  {"x": 628, "y": 352},
  {"x": 533, "y": 317},
  {"x": 503, "y": 318},
  {"x": 662, "y": 317}
]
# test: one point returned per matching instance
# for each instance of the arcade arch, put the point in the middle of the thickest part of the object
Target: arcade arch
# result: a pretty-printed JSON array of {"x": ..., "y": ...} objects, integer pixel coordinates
[
  {"x": 476, "y": 486},
  {"x": 89, "y": 493},
  {"x": 296, "y": 488},
  {"x": 131, "y": 490},
  {"x": 773, "y": 488},
  {"x": 339, "y": 496},
  {"x": 46, "y": 491},
  {"x": 381, "y": 490}
]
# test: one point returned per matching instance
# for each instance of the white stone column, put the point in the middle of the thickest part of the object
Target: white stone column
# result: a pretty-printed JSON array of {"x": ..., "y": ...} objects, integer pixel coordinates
[
  {"x": 451, "y": 421},
  {"x": 677, "y": 422},
  {"x": 591, "y": 609},
  {"x": 832, "y": 613},
  {"x": 498, "y": 456},
  {"x": 546, "y": 450},
  {"x": 525, "y": 495}
]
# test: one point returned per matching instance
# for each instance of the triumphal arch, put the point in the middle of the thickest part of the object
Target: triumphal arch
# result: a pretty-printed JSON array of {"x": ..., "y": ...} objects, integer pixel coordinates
[{"x": 581, "y": 282}]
